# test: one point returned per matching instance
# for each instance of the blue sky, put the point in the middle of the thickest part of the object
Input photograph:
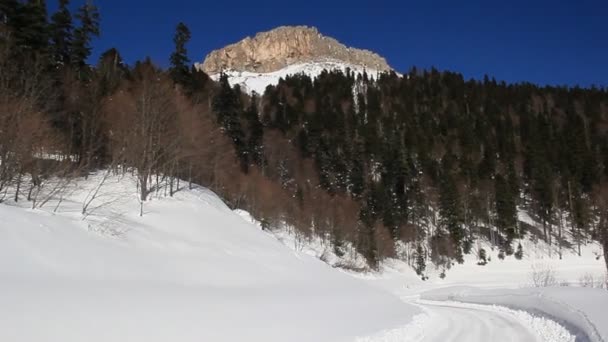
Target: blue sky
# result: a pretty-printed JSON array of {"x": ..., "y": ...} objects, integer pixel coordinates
[{"x": 545, "y": 42}]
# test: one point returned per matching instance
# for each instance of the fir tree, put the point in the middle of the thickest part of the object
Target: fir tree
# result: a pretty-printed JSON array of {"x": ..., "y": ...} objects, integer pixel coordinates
[
  {"x": 34, "y": 32},
  {"x": 420, "y": 266},
  {"x": 227, "y": 106},
  {"x": 450, "y": 209},
  {"x": 506, "y": 210},
  {"x": 61, "y": 34},
  {"x": 519, "y": 254},
  {"x": 88, "y": 15},
  {"x": 180, "y": 63},
  {"x": 255, "y": 143}
]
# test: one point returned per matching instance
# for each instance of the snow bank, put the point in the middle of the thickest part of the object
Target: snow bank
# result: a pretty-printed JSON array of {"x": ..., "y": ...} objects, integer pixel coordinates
[
  {"x": 581, "y": 310},
  {"x": 188, "y": 270}
]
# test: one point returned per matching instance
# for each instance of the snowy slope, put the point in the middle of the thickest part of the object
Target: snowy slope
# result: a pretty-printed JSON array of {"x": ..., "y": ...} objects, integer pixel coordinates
[
  {"x": 250, "y": 81},
  {"x": 188, "y": 270}
]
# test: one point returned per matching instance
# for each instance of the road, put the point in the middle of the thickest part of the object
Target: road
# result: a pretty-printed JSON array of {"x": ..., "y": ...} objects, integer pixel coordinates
[{"x": 450, "y": 321}]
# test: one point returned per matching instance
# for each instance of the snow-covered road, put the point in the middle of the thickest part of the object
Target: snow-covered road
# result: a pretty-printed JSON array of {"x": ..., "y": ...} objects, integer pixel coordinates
[{"x": 452, "y": 321}]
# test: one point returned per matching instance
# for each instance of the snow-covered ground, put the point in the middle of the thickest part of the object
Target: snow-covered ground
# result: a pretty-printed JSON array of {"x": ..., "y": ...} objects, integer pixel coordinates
[
  {"x": 251, "y": 81},
  {"x": 188, "y": 270},
  {"x": 444, "y": 319},
  {"x": 191, "y": 269}
]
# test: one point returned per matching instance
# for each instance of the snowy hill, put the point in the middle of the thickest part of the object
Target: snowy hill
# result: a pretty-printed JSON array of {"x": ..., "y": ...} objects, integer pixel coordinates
[
  {"x": 188, "y": 270},
  {"x": 258, "y": 82}
]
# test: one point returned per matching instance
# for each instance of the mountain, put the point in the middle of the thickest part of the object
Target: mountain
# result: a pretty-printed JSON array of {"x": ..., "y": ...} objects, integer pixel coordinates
[{"x": 287, "y": 50}]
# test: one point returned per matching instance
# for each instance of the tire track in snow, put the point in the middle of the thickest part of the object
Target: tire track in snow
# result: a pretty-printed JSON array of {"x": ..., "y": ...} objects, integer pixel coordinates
[{"x": 452, "y": 321}]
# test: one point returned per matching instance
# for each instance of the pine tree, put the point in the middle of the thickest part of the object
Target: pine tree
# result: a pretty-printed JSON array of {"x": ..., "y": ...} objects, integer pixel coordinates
[
  {"x": 227, "y": 106},
  {"x": 180, "y": 63},
  {"x": 506, "y": 210},
  {"x": 482, "y": 256},
  {"x": 450, "y": 209},
  {"x": 111, "y": 70},
  {"x": 61, "y": 34},
  {"x": 420, "y": 266},
  {"x": 255, "y": 143},
  {"x": 88, "y": 15},
  {"x": 28, "y": 27},
  {"x": 8, "y": 14},
  {"x": 519, "y": 254}
]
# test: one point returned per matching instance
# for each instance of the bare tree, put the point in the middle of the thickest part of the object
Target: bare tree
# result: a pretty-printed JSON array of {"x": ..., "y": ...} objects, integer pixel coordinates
[{"x": 141, "y": 119}]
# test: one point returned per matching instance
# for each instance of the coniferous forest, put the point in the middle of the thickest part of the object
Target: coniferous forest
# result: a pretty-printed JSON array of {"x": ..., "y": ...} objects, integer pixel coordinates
[{"x": 426, "y": 159}]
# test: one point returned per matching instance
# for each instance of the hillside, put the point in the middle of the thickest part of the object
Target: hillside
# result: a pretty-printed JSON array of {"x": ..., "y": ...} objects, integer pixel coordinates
[{"x": 189, "y": 270}]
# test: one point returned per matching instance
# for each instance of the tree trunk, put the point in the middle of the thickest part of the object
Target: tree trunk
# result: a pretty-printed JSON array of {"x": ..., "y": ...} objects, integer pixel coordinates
[
  {"x": 604, "y": 239},
  {"x": 605, "y": 244},
  {"x": 190, "y": 176},
  {"x": 559, "y": 241},
  {"x": 18, "y": 186}
]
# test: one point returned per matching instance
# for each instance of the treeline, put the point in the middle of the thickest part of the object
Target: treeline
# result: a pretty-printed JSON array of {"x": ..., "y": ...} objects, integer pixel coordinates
[
  {"x": 439, "y": 161},
  {"x": 426, "y": 160}
]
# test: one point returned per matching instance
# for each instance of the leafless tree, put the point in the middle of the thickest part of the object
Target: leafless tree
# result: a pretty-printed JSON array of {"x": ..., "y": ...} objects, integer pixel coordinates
[{"x": 141, "y": 119}]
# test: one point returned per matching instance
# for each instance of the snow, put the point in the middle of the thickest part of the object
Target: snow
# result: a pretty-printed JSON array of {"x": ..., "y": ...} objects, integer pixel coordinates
[
  {"x": 188, "y": 270},
  {"x": 453, "y": 321},
  {"x": 250, "y": 81},
  {"x": 581, "y": 309},
  {"x": 314, "y": 245},
  {"x": 443, "y": 319},
  {"x": 191, "y": 269}
]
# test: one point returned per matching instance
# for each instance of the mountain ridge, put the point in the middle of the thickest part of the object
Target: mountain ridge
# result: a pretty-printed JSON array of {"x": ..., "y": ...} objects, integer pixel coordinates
[{"x": 283, "y": 46}]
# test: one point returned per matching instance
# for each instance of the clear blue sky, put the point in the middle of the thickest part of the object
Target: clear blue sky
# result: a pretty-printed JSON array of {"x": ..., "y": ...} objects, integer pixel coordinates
[{"x": 542, "y": 41}]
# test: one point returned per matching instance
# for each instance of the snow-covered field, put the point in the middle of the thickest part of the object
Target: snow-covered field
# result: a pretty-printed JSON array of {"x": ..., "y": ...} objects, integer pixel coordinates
[
  {"x": 191, "y": 269},
  {"x": 188, "y": 270}
]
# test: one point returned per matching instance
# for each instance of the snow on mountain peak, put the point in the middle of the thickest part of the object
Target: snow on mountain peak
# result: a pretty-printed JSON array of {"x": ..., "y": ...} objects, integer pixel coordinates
[{"x": 257, "y": 82}]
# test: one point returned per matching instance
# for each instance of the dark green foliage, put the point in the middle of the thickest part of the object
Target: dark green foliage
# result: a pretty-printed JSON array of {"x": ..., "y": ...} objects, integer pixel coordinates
[
  {"x": 180, "y": 63},
  {"x": 31, "y": 33},
  {"x": 255, "y": 141},
  {"x": 88, "y": 15},
  {"x": 61, "y": 31},
  {"x": 506, "y": 209},
  {"x": 450, "y": 209},
  {"x": 228, "y": 108},
  {"x": 111, "y": 71}
]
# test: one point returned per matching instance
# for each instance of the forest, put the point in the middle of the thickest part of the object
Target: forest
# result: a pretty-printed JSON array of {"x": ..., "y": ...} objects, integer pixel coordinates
[{"x": 427, "y": 159}]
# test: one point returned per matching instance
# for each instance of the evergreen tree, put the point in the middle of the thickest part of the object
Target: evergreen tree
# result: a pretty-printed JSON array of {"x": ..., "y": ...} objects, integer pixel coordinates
[
  {"x": 420, "y": 266},
  {"x": 88, "y": 15},
  {"x": 110, "y": 72},
  {"x": 506, "y": 210},
  {"x": 180, "y": 63},
  {"x": 227, "y": 106},
  {"x": 519, "y": 254},
  {"x": 255, "y": 143},
  {"x": 61, "y": 34},
  {"x": 26, "y": 26},
  {"x": 450, "y": 209}
]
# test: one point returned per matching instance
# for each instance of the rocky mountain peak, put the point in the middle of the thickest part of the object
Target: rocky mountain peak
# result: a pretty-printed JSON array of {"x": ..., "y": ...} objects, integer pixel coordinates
[{"x": 287, "y": 45}]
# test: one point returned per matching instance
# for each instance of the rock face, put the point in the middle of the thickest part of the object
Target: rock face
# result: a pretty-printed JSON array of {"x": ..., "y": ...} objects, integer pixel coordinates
[{"x": 286, "y": 45}]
